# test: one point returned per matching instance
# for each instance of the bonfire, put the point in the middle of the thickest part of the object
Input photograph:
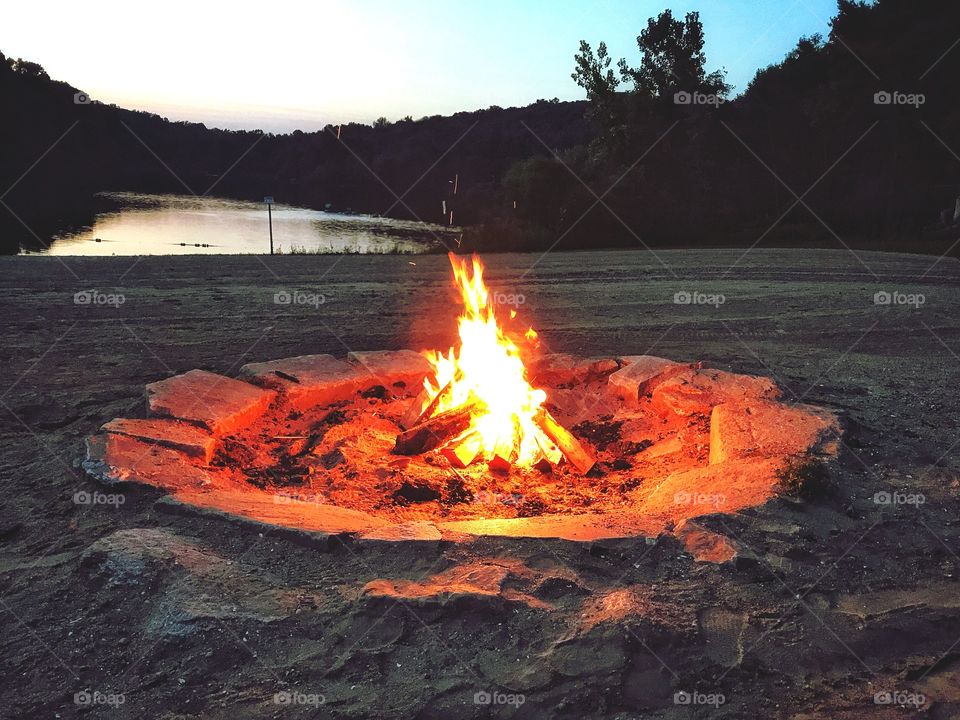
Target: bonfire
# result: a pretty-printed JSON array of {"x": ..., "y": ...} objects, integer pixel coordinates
[{"x": 478, "y": 405}]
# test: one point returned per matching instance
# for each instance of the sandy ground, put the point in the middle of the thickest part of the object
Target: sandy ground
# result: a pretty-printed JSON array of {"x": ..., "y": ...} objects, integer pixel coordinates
[{"x": 837, "y": 604}]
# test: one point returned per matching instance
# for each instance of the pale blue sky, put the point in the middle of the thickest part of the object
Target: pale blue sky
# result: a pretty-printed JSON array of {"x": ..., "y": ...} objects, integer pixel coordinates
[{"x": 281, "y": 64}]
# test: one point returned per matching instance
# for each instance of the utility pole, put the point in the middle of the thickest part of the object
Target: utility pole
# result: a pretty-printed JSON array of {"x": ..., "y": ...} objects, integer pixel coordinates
[{"x": 269, "y": 201}]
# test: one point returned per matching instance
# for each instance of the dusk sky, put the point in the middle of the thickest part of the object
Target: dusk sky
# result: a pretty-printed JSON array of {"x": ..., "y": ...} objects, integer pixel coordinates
[{"x": 282, "y": 65}]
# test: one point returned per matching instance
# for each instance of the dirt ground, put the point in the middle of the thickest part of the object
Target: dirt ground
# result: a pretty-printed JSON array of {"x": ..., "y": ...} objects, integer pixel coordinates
[{"x": 844, "y": 604}]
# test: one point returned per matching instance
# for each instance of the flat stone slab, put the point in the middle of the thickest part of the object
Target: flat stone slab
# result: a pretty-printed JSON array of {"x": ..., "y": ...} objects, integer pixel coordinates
[
  {"x": 722, "y": 488},
  {"x": 391, "y": 368},
  {"x": 189, "y": 584},
  {"x": 563, "y": 369},
  {"x": 639, "y": 373},
  {"x": 306, "y": 380},
  {"x": 422, "y": 531},
  {"x": 765, "y": 429},
  {"x": 185, "y": 437},
  {"x": 221, "y": 404},
  {"x": 693, "y": 391},
  {"x": 705, "y": 545},
  {"x": 579, "y": 528},
  {"x": 113, "y": 458},
  {"x": 497, "y": 581},
  {"x": 125, "y": 554},
  {"x": 283, "y": 510}
]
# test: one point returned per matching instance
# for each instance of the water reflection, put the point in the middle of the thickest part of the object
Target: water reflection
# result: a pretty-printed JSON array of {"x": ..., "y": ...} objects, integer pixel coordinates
[{"x": 177, "y": 225}]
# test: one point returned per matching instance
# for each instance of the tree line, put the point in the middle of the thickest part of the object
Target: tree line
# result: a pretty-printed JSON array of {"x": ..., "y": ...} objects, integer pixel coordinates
[{"x": 854, "y": 138}]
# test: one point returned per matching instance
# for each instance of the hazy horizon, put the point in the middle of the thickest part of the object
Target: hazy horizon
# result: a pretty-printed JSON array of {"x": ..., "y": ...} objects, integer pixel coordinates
[{"x": 250, "y": 66}]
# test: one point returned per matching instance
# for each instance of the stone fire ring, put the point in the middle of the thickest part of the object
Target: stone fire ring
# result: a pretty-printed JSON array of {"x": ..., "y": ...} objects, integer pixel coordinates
[{"x": 752, "y": 437}]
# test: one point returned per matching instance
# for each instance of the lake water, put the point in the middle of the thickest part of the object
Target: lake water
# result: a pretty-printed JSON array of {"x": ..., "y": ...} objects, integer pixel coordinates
[{"x": 178, "y": 225}]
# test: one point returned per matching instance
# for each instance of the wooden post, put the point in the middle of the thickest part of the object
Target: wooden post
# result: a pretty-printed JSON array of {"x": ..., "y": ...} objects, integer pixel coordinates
[{"x": 269, "y": 201}]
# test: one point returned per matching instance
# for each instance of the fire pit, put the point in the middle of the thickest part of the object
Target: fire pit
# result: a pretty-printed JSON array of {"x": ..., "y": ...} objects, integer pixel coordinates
[{"x": 491, "y": 438}]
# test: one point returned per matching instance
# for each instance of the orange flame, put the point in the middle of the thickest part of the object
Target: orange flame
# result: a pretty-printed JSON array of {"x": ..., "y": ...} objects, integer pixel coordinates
[{"x": 487, "y": 366}]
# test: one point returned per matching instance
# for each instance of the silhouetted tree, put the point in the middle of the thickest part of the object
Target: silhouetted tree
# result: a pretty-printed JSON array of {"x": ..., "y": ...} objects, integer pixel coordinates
[
  {"x": 29, "y": 69},
  {"x": 593, "y": 73},
  {"x": 673, "y": 59}
]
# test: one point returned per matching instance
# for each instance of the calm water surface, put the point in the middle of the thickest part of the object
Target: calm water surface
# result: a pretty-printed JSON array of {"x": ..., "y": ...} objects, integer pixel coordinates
[{"x": 177, "y": 225}]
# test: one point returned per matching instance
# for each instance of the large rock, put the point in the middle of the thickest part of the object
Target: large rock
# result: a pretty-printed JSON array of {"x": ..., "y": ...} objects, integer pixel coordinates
[
  {"x": 415, "y": 530},
  {"x": 723, "y": 631},
  {"x": 187, "y": 585},
  {"x": 580, "y": 528},
  {"x": 221, "y": 404},
  {"x": 112, "y": 458},
  {"x": 556, "y": 369},
  {"x": 131, "y": 556},
  {"x": 391, "y": 368},
  {"x": 639, "y": 374},
  {"x": 764, "y": 429},
  {"x": 286, "y": 509},
  {"x": 703, "y": 544},
  {"x": 494, "y": 582},
  {"x": 695, "y": 392},
  {"x": 475, "y": 581},
  {"x": 185, "y": 437},
  {"x": 307, "y": 380},
  {"x": 613, "y": 606},
  {"x": 722, "y": 488}
]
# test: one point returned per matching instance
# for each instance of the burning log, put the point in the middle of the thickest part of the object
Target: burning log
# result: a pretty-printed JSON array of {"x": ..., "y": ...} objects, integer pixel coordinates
[
  {"x": 499, "y": 463},
  {"x": 423, "y": 407},
  {"x": 438, "y": 430},
  {"x": 461, "y": 454},
  {"x": 504, "y": 452},
  {"x": 416, "y": 410},
  {"x": 567, "y": 443},
  {"x": 551, "y": 453}
]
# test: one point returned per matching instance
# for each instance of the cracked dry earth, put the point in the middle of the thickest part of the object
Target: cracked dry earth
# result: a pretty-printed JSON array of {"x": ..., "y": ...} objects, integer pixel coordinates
[{"x": 840, "y": 602}]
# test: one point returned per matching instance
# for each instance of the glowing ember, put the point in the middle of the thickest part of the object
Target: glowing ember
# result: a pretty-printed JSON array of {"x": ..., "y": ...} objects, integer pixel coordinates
[{"x": 487, "y": 367}]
